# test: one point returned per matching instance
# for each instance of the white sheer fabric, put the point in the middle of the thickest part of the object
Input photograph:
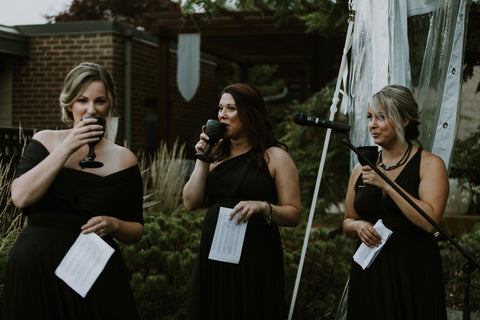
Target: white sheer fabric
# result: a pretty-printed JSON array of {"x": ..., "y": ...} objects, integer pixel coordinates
[
  {"x": 188, "y": 64},
  {"x": 439, "y": 88},
  {"x": 416, "y": 7},
  {"x": 431, "y": 65}
]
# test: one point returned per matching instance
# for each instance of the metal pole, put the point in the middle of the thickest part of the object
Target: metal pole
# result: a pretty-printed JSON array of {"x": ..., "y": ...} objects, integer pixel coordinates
[{"x": 333, "y": 110}]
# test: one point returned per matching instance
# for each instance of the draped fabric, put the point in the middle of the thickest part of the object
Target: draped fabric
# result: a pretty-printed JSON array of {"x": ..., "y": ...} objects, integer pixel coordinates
[
  {"x": 188, "y": 64},
  {"x": 418, "y": 44},
  {"x": 440, "y": 82}
]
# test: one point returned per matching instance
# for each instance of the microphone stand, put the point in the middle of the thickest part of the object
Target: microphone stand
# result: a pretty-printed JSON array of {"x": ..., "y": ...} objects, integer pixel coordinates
[{"x": 471, "y": 263}]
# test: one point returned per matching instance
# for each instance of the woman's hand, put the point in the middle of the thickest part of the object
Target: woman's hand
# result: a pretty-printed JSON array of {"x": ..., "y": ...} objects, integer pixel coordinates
[
  {"x": 245, "y": 209},
  {"x": 101, "y": 225},
  {"x": 370, "y": 177},
  {"x": 203, "y": 143},
  {"x": 84, "y": 132},
  {"x": 367, "y": 233}
]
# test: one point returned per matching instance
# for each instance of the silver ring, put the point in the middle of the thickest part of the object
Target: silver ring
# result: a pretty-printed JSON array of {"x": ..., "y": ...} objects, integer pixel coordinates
[{"x": 101, "y": 232}]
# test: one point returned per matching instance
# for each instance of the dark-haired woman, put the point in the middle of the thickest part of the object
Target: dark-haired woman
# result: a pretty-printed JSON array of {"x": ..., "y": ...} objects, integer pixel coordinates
[
  {"x": 405, "y": 281},
  {"x": 252, "y": 174}
]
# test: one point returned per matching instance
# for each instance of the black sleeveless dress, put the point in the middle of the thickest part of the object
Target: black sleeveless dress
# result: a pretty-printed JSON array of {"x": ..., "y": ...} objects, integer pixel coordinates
[
  {"x": 405, "y": 281},
  {"x": 254, "y": 288},
  {"x": 32, "y": 290}
]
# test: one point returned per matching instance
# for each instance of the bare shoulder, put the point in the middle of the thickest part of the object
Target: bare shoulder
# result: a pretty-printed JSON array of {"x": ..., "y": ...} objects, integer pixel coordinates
[
  {"x": 44, "y": 135},
  {"x": 277, "y": 154},
  {"x": 429, "y": 160},
  {"x": 432, "y": 165},
  {"x": 126, "y": 158},
  {"x": 357, "y": 170},
  {"x": 50, "y": 138},
  {"x": 279, "y": 161}
]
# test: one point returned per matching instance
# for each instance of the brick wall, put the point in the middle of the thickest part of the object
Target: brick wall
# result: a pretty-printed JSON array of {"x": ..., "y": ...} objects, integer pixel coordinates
[
  {"x": 38, "y": 80},
  {"x": 144, "y": 87}
]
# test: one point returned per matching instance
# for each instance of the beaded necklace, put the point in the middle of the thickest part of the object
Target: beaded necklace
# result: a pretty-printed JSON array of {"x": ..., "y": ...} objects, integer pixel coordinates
[{"x": 402, "y": 161}]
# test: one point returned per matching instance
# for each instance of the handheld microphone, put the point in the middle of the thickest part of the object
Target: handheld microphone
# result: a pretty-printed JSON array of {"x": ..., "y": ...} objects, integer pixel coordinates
[{"x": 304, "y": 120}]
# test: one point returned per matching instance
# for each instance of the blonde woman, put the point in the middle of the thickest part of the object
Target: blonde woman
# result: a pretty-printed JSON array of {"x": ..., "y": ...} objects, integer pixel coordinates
[
  {"x": 405, "y": 281},
  {"x": 62, "y": 199}
]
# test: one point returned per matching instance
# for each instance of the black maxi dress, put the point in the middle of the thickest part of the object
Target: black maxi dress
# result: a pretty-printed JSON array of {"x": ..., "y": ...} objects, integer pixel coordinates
[
  {"x": 254, "y": 288},
  {"x": 405, "y": 281},
  {"x": 32, "y": 290}
]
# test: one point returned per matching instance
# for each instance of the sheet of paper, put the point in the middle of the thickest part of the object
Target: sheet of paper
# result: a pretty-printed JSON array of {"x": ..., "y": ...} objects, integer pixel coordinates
[
  {"x": 228, "y": 238},
  {"x": 365, "y": 255},
  {"x": 84, "y": 262}
]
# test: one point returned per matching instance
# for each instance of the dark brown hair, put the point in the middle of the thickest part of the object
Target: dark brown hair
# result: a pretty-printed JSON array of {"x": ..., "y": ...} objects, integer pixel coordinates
[{"x": 253, "y": 115}]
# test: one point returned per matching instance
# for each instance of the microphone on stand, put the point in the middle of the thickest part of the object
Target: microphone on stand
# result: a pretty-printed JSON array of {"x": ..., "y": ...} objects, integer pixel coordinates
[{"x": 305, "y": 120}]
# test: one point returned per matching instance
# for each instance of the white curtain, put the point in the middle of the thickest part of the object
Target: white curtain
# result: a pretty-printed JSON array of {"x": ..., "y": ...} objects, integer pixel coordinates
[
  {"x": 188, "y": 64},
  {"x": 440, "y": 83},
  {"x": 426, "y": 58}
]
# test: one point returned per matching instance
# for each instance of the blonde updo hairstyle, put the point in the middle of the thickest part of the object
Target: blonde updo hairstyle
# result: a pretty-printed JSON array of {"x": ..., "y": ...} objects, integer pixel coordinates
[
  {"x": 398, "y": 104},
  {"x": 76, "y": 82}
]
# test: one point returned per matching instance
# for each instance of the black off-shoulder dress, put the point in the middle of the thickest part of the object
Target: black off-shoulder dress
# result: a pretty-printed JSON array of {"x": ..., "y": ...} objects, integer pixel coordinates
[{"x": 32, "y": 290}]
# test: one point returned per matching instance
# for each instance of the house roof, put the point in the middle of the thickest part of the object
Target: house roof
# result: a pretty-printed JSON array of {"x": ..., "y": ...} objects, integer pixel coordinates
[
  {"x": 13, "y": 42},
  {"x": 86, "y": 27},
  {"x": 16, "y": 40}
]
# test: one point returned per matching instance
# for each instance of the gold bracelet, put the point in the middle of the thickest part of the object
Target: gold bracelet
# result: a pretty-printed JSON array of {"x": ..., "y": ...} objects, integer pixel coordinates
[{"x": 270, "y": 216}]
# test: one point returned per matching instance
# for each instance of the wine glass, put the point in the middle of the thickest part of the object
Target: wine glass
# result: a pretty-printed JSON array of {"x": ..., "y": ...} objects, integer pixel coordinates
[
  {"x": 214, "y": 129},
  {"x": 369, "y": 152},
  {"x": 90, "y": 161}
]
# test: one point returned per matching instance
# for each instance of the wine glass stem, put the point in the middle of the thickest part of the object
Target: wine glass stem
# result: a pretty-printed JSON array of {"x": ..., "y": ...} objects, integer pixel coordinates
[{"x": 91, "y": 152}]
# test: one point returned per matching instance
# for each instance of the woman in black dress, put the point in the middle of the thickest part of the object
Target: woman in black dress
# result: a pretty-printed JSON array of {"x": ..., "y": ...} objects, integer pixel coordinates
[
  {"x": 259, "y": 180},
  {"x": 61, "y": 199},
  {"x": 405, "y": 281}
]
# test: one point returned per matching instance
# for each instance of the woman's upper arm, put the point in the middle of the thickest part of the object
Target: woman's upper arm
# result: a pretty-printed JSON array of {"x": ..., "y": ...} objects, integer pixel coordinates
[
  {"x": 193, "y": 193},
  {"x": 25, "y": 177},
  {"x": 286, "y": 177},
  {"x": 350, "y": 214},
  {"x": 349, "y": 199},
  {"x": 434, "y": 187}
]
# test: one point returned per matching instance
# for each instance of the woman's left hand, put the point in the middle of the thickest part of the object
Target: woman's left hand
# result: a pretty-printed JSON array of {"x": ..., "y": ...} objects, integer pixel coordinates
[
  {"x": 245, "y": 209},
  {"x": 101, "y": 225}
]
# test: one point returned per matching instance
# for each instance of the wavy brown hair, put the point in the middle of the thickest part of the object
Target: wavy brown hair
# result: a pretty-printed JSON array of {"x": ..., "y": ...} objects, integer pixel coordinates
[{"x": 253, "y": 115}]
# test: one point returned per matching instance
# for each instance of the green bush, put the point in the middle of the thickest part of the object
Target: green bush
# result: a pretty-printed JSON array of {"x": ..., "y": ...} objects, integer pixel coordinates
[
  {"x": 306, "y": 145},
  {"x": 325, "y": 271},
  {"x": 162, "y": 262},
  {"x": 453, "y": 262}
]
